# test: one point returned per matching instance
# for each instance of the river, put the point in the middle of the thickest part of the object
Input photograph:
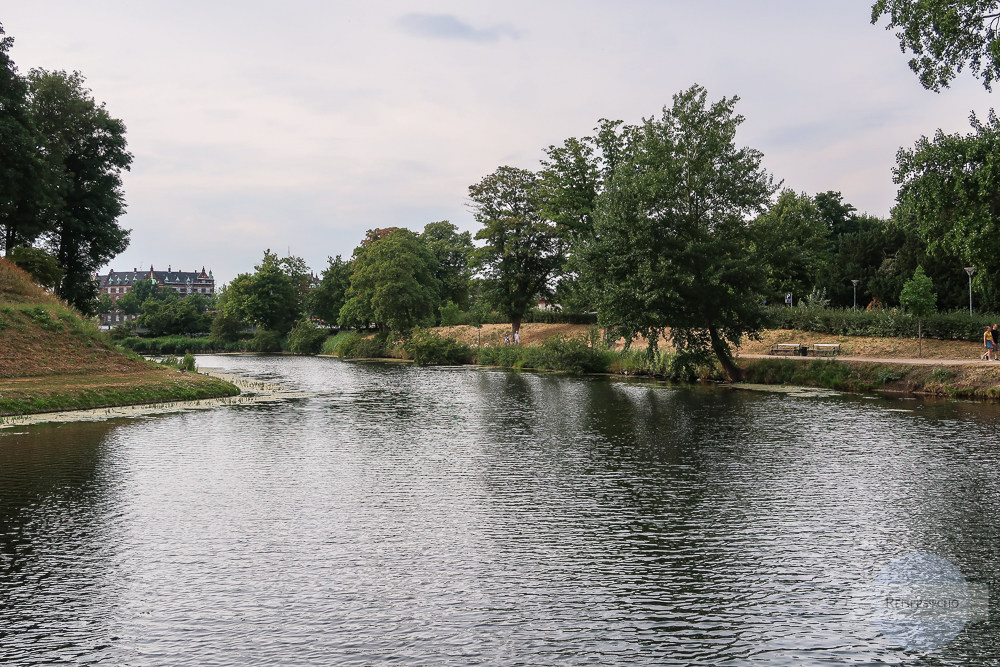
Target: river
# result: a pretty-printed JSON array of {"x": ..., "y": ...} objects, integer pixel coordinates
[{"x": 448, "y": 516}]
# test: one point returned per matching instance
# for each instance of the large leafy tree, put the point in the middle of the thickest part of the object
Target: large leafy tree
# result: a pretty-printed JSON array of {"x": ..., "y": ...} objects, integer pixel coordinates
[
  {"x": 266, "y": 298},
  {"x": 522, "y": 251},
  {"x": 950, "y": 193},
  {"x": 329, "y": 296},
  {"x": 792, "y": 241},
  {"x": 671, "y": 250},
  {"x": 84, "y": 152},
  {"x": 572, "y": 177},
  {"x": 21, "y": 175},
  {"x": 453, "y": 251},
  {"x": 393, "y": 284},
  {"x": 945, "y": 37}
]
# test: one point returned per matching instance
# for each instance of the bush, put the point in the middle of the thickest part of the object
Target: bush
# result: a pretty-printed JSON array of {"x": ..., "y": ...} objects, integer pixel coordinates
[
  {"x": 187, "y": 363},
  {"x": 266, "y": 342},
  {"x": 429, "y": 349},
  {"x": 306, "y": 338},
  {"x": 356, "y": 346},
  {"x": 573, "y": 355}
]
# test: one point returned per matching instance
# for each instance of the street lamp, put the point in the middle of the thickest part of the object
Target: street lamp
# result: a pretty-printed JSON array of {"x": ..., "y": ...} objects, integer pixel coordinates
[
  {"x": 855, "y": 283},
  {"x": 970, "y": 270}
]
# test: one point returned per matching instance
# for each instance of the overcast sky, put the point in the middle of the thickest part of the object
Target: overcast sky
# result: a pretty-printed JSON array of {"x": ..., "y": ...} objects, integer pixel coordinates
[{"x": 299, "y": 125}]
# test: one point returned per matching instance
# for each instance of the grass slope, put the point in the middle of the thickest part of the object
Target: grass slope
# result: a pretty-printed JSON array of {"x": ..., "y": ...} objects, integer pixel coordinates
[{"x": 52, "y": 359}]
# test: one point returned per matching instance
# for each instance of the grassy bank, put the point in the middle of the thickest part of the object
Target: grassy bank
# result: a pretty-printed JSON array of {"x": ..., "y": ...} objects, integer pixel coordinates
[
  {"x": 958, "y": 381},
  {"x": 52, "y": 359},
  {"x": 55, "y": 393}
]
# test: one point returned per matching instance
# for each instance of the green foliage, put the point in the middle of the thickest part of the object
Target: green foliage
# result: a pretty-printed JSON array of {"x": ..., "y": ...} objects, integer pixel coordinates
[
  {"x": 948, "y": 188},
  {"x": 428, "y": 349},
  {"x": 881, "y": 323},
  {"x": 393, "y": 284},
  {"x": 815, "y": 299},
  {"x": 944, "y": 37},
  {"x": 451, "y": 314},
  {"x": 42, "y": 318},
  {"x": 521, "y": 251},
  {"x": 167, "y": 345},
  {"x": 329, "y": 296},
  {"x": 43, "y": 267},
  {"x": 22, "y": 173},
  {"x": 266, "y": 342},
  {"x": 453, "y": 252},
  {"x": 173, "y": 316},
  {"x": 122, "y": 331},
  {"x": 187, "y": 363},
  {"x": 355, "y": 346},
  {"x": 671, "y": 247},
  {"x": 266, "y": 298},
  {"x": 792, "y": 242},
  {"x": 226, "y": 327},
  {"x": 918, "y": 296},
  {"x": 306, "y": 338},
  {"x": 572, "y": 355},
  {"x": 84, "y": 153}
]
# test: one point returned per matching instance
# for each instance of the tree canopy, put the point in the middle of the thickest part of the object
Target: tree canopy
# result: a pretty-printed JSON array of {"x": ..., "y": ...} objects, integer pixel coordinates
[
  {"x": 266, "y": 298},
  {"x": 393, "y": 284},
  {"x": 950, "y": 193},
  {"x": 671, "y": 251},
  {"x": 521, "y": 250},
  {"x": 945, "y": 37}
]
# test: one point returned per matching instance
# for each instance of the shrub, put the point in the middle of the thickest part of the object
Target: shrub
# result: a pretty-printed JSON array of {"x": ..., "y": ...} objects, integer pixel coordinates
[
  {"x": 356, "y": 346},
  {"x": 187, "y": 363},
  {"x": 306, "y": 338},
  {"x": 266, "y": 342},
  {"x": 429, "y": 349}
]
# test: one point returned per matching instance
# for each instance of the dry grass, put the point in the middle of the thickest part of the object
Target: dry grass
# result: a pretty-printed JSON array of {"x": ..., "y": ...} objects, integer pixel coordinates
[{"x": 875, "y": 348}]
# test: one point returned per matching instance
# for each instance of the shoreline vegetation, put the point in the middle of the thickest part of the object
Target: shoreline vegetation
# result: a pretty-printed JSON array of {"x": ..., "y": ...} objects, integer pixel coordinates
[{"x": 579, "y": 348}]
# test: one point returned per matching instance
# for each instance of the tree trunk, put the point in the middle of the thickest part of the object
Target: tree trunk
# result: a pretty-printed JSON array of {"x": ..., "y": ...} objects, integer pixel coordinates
[
  {"x": 733, "y": 372},
  {"x": 515, "y": 324}
]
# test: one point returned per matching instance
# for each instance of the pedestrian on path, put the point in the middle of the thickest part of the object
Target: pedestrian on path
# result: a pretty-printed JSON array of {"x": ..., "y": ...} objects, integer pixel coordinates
[{"x": 988, "y": 343}]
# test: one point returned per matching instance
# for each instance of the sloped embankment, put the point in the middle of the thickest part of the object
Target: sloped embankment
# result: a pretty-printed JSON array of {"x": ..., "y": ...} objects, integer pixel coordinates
[{"x": 52, "y": 359}]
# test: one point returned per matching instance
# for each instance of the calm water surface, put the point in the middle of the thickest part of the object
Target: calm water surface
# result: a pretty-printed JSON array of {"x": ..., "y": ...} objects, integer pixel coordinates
[{"x": 460, "y": 517}]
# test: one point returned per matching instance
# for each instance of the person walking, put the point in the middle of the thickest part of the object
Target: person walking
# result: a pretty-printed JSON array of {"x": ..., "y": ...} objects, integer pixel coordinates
[
  {"x": 995, "y": 332},
  {"x": 987, "y": 343},
  {"x": 517, "y": 337}
]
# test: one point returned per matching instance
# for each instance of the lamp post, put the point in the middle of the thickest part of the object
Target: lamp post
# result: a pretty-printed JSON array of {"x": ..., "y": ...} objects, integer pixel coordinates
[
  {"x": 855, "y": 283},
  {"x": 970, "y": 270}
]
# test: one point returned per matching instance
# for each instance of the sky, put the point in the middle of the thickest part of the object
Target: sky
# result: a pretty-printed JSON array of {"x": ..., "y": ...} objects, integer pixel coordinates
[{"x": 299, "y": 125}]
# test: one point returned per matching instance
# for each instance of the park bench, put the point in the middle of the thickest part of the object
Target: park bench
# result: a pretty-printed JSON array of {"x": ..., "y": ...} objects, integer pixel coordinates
[
  {"x": 825, "y": 349},
  {"x": 793, "y": 349}
]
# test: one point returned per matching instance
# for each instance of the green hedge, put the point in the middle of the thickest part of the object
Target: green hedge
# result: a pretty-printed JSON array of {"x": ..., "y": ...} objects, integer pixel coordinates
[{"x": 954, "y": 325}]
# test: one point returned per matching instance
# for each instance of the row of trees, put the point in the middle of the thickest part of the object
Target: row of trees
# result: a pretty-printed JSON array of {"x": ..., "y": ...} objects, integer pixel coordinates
[{"x": 61, "y": 159}]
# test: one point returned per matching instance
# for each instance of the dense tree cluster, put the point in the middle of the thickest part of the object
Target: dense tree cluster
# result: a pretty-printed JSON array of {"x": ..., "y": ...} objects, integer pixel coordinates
[{"x": 61, "y": 158}]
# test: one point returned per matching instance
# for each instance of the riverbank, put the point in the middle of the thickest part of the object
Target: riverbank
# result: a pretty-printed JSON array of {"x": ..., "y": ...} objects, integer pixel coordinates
[
  {"x": 52, "y": 359},
  {"x": 151, "y": 385}
]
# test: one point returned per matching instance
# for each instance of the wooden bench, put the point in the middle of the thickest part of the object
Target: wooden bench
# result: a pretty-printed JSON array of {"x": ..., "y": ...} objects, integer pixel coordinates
[
  {"x": 787, "y": 348},
  {"x": 824, "y": 349}
]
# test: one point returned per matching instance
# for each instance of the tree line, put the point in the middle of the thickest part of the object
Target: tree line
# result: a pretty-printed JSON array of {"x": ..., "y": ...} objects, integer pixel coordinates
[
  {"x": 667, "y": 229},
  {"x": 61, "y": 159}
]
